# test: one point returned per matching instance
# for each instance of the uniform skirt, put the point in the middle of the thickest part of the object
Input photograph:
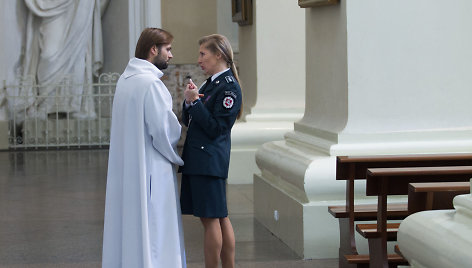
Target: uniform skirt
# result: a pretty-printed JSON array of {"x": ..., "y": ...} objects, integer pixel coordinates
[{"x": 203, "y": 196}]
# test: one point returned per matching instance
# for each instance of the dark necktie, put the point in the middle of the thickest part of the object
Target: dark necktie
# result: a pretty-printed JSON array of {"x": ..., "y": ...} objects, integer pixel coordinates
[{"x": 208, "y": 82}]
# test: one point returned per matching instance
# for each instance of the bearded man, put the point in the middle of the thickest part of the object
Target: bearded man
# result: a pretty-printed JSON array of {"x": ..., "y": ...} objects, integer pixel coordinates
[{"x": 143, "y": 224}]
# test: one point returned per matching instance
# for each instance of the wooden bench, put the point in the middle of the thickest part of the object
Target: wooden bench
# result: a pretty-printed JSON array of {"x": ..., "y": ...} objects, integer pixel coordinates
[
  {"x": 430, "y": 196},
  {"x": 394, "y": 260},
  {"x": 382, "y": 182},
  {"x": 421, "y": 196},
  {"x": 351, "y": 168},
  {"x": 362, "y": 261},
  {"x": 434, "y": 195}
]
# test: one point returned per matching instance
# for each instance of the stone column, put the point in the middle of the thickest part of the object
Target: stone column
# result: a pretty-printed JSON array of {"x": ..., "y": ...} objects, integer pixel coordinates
[
  {"x": 271, "y": 67},
  {"x": 382, "y": 77},
  {"x": 3, "y": 135},
  {"x": 122, "y": 25},
  {"x": 11, "y": 34}
]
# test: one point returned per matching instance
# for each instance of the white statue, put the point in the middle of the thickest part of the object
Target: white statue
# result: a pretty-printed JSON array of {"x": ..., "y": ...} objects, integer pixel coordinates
[{"x": 63, "y": 42}]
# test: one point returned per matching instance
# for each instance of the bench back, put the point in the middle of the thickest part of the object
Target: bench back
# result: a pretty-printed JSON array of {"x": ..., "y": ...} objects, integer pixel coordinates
[
  {"x": 355, "y": 167},
  {"x": 394, "y": 181}
]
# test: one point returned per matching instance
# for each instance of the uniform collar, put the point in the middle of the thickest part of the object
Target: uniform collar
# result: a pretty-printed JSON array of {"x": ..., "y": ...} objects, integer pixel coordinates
[{"x": 213, "y": 77}]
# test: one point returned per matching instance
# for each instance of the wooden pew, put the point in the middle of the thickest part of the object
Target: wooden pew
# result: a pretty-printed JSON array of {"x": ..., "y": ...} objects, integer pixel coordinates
[
  {"x": 351, "y": 168},
  {"x": 382, "y": 182},
  {"x": 434, "y": 195},
  {"x": 421, "y": 196}
]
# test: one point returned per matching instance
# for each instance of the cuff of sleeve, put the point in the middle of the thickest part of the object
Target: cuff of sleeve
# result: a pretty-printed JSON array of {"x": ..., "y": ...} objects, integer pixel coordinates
[
  {"x": 186, "y": 105},
  {"x": 193, "y": 103}
]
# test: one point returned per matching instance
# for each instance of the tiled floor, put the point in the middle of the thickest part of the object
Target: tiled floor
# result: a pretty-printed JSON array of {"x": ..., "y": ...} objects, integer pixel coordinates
[{"x": 51, "y": 215}]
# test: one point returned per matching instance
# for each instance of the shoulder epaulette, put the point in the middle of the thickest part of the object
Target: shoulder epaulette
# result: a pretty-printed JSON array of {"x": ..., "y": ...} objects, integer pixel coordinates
[{"x": 229, "y": 79}]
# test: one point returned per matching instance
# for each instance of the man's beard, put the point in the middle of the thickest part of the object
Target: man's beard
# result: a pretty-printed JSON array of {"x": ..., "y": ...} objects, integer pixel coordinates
[{"x": 160, "y": 63}]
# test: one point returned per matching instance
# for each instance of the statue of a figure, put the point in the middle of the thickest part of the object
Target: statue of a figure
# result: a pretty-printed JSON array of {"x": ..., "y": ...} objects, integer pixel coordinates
[{"x": 63, "y": 51}]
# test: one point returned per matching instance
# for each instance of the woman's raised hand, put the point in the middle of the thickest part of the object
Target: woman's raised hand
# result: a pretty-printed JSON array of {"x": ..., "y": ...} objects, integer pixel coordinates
[{"x": 191, "y": 92}]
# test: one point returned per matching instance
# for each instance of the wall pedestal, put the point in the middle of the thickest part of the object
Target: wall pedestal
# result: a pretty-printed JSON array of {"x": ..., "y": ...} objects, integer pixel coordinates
[
  {"x": 247, "y": 137},
  {"x": 297, "y": 180}
]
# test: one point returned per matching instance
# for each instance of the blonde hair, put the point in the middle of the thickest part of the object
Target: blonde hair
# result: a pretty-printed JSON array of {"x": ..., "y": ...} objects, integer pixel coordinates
[{"x": 218, "y": 43}]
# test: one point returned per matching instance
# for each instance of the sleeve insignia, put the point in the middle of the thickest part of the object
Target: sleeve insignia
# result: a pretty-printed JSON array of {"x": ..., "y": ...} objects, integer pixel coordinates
[
  {"x": 231, "y": 93},
  {"x": 229, "y": 79},
  {"x": 228, "y": 102}
]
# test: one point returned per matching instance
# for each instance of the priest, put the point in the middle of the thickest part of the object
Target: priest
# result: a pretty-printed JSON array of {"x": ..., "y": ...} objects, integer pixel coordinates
[{"x": 143, "y": 224}]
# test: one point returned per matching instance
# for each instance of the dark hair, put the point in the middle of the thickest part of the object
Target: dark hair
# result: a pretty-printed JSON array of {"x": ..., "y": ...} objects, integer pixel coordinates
[
  {"x": 218, "y": 43},
  {"x": 150, "y": 37}
]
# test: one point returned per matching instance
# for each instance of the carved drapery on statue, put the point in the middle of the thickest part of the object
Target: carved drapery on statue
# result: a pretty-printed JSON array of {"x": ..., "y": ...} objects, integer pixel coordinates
[{"x": 62, "y": 52}]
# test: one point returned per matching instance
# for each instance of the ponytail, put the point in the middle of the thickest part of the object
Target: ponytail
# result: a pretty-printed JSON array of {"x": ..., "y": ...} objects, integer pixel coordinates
[
  {"x": 219, "y": 43},
  {"x": 235, "y": 73}
]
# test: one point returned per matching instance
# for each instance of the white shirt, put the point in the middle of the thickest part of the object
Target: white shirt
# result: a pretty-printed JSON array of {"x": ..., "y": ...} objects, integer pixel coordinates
[{"x": 213, "y": 77}]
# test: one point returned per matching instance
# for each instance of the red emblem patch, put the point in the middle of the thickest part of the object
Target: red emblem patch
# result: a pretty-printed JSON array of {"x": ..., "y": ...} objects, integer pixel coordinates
[{"x": 228, "y": 102}]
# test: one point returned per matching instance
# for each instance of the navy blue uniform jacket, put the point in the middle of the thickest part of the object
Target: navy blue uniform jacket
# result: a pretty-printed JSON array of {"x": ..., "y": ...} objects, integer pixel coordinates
[{"x": 208, "y": 144}]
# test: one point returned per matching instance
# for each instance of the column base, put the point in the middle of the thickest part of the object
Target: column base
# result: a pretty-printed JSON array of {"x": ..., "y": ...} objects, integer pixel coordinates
[
  {"x": 298, "y": 182},
  {"x": 307, "y": 228},
  {"x": 247, "y": 137}
]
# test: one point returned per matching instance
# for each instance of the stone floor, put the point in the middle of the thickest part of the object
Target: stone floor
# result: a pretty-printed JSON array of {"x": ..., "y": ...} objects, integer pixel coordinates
[{"x": 51, "y": 215}]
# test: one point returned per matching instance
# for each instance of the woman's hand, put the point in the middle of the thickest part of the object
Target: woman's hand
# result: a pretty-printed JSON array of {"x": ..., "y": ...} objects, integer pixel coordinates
[{"x": 191, "y": 92}]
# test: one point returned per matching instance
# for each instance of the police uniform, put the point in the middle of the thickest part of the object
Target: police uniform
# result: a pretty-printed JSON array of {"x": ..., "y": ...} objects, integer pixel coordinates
[{"x": 207, "y": 147}]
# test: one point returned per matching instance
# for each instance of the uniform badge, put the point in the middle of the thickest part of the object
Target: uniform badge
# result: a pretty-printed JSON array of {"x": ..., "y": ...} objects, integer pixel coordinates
[
  {"x": 231, "y": 93},
  {"x": 229, "y": 79},
  {"x": 228, "y": 102}
]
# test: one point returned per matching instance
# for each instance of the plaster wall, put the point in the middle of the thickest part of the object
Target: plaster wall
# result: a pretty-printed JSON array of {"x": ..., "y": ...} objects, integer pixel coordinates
[
  {"x": 280, "y": 55},
  {"x": 413, "y": 70},
  {"x": 272, "y": 72},
  {"x": 188, "y": 21},
  {"x": 387, "y": 70},
  {"x": 248, "y": 63},
  {"x": 225, "y": 24},
  {"x": 116, "y": 47},
  {"x": 326, "y": 69}
]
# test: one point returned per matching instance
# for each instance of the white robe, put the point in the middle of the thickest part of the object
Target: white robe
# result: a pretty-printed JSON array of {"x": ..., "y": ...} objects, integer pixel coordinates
[{"x": 143, "y": 225}]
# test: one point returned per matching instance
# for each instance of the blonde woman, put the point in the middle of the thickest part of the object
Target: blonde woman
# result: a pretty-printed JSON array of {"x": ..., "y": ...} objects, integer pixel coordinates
[{"x": 210, "y": 113}]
